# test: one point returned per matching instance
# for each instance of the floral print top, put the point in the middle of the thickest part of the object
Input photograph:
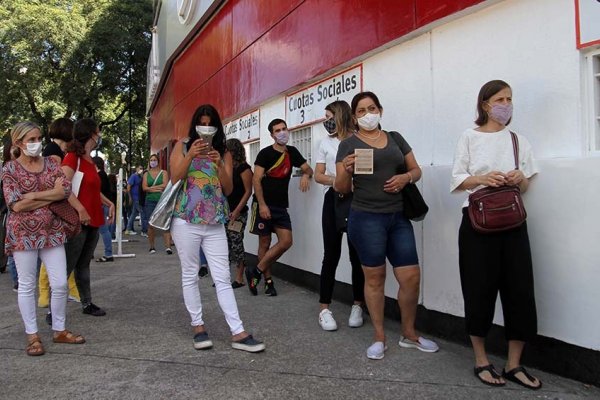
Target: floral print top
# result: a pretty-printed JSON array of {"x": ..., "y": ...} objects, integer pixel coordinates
[
  {"x": 39, "y": 228},
  {"x": 201, "y": 200}
]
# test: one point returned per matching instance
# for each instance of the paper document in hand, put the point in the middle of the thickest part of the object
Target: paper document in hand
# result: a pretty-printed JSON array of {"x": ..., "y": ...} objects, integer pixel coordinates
[{"x": 363, "y": 163}]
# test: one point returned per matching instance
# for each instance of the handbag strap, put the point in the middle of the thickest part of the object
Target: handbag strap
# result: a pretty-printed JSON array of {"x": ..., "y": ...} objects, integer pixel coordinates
[
  {"x": 515, "y": 143},
  {"x": 396, "y": 138}
]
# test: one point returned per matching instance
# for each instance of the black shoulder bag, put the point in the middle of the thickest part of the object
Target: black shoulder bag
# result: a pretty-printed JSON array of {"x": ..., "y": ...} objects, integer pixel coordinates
[{"x": 414, "y": 206}]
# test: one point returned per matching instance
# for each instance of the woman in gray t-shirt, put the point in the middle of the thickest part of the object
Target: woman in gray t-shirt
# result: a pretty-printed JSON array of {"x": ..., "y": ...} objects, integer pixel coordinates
[{"x": 376, "y": 225}]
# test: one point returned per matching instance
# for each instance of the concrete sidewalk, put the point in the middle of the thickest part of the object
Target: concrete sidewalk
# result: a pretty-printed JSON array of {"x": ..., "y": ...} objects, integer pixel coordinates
[{"x": 142, "y": 349}]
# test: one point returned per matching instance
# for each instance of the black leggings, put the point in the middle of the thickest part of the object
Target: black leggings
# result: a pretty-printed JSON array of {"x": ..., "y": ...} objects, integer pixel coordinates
[
  {"x": 332, "y": 244},
  {"x": 492, "y": 263}
]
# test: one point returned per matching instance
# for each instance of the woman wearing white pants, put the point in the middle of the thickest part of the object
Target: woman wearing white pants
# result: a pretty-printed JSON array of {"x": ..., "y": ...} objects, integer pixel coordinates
[
  {"x": 199, "y": 222},
  {"x": 30, "y": 184}
]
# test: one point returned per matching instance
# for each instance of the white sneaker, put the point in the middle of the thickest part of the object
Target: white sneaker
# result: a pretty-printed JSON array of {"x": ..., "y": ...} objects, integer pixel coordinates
[
  {"x": 131, "y": 233},
  {"x": 356, "y": 318},
  {"x": 426, "y": 345},
  {"x": 327, "y": 321},
  {"x": 144, "y": 234},
  {"x": 376, "y": 351}
]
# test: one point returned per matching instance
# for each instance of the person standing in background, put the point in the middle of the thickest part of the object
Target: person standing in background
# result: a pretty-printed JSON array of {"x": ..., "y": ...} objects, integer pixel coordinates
[
  {"x": 238, "y": 209},
  {"x": 88, "y": 203},
  {"x": 134, "y": 187},
  {"x": 339, "y": 126},
  {"x": 60, "y": 133},
  {"x": 105, "y": 228},
  {"x": 154, "y": 182}
]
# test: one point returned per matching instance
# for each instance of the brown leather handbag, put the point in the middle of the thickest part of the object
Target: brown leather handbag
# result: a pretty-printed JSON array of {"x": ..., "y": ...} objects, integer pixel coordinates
[
  {"x": 498, "y": 209},
  {"x": 68, "y": 215}
]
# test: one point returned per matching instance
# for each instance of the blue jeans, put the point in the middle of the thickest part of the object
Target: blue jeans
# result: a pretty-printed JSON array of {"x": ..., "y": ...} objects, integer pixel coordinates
[
  {"x": 105, "y": 234},
  {"x": 12, "y": 267},
  {"x": 136, "y": 209}
]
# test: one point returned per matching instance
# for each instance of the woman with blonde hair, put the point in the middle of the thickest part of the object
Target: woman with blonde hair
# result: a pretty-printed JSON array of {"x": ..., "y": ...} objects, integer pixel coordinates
[
  {"x": 31, "y": 183},
  {"x": 339, "y": 126}
]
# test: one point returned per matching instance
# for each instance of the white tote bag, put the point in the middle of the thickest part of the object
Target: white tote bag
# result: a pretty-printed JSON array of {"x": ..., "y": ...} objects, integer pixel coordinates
[{"x": 76, "y": 180}]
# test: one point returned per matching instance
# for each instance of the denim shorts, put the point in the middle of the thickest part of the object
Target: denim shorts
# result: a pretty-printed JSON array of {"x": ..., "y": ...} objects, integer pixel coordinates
[{"x": 376, "y": 236}]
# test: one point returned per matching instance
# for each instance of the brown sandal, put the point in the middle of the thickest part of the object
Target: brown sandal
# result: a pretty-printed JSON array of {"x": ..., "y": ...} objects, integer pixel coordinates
[
  {"x": 68, "y": 338},
  {"x": 34, "y": 346}
]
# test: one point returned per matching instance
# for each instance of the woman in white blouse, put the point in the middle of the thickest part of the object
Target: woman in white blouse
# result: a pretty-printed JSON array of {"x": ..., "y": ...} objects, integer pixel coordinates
[{"x": 497, "y": 262}]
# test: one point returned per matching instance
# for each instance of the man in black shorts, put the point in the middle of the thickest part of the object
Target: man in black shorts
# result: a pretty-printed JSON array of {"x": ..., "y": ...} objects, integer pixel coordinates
[{"x": 272, "y": 172}]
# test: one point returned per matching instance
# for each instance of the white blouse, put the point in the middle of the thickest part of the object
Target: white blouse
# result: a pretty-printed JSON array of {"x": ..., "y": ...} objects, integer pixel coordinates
[{"x": 479, "y": 153}]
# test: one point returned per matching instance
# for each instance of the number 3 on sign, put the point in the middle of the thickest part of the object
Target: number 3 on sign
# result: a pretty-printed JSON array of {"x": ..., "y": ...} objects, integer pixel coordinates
[{"x": 301, "y": 116}]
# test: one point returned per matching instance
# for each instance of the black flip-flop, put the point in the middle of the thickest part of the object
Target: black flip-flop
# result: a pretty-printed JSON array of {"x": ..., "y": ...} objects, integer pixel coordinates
[
  {"x": 511, "y": 376},
  {"x": 105, "y": 259},
  {"x": 489, "y": 368}
]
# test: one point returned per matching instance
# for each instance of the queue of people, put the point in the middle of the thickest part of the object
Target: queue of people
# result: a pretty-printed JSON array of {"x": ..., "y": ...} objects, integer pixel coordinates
[{"x": 211, "y": 214}]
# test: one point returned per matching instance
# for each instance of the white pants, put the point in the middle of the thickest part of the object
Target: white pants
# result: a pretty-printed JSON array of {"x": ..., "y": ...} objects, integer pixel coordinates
[
  {"x": 56, "y": 264},
  {"x": 213, "y": 240}
]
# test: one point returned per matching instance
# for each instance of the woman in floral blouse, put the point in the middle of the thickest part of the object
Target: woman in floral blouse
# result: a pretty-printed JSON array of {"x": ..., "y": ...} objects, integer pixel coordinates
[
  {"x": 31, "y": 183},
  {"x": 199, "y": 218}
]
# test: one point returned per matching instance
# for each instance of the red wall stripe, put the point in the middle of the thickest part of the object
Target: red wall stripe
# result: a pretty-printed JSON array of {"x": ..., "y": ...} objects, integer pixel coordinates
[{"x": 253, "y": 50}]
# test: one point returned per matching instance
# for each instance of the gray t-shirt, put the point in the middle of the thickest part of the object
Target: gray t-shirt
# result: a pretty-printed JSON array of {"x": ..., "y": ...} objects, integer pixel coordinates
[{"x": 387, "y": 162}]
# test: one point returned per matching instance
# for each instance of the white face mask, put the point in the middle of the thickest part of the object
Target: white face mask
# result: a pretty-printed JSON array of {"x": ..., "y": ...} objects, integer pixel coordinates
[
  {"x": 206, "y": 130},
  {"x": 369, "y": 121},
  {"x": 34, "y": 149}
]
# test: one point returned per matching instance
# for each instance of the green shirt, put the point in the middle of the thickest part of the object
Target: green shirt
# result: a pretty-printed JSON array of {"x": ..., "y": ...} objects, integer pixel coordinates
[{"x": 150, "y": 181}]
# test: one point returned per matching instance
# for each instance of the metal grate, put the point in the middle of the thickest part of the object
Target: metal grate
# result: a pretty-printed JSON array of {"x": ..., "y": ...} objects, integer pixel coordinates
[
  {"x": 253, "y": 149},
  {"x": 302, "y": 140}
]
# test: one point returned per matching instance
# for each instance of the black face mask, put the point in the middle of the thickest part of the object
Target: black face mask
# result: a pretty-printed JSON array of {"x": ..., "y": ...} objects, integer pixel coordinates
[{"x": 330, "y": 126}]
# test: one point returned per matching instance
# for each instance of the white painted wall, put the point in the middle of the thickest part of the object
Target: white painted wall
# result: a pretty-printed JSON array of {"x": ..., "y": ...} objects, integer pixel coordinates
[{"x": 428, "y": 87}]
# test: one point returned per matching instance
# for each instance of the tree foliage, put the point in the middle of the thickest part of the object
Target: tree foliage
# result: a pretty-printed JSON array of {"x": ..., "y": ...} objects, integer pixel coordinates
[{"x": 77, "y": 59}]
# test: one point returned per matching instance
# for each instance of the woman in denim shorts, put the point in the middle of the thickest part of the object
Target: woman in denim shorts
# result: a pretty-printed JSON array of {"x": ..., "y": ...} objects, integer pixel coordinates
[{"x": 376, "y": 225}]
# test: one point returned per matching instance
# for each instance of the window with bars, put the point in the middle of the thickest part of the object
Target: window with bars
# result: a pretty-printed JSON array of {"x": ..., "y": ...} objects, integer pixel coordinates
[
  {"x": 253, "y": 149},
  {"x": 302, "y": 140},
  {"x": 593, "y": 68}
]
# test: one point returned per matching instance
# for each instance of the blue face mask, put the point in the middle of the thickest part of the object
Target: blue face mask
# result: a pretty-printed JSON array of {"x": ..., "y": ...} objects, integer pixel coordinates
[{"x": 98, "y": 142}]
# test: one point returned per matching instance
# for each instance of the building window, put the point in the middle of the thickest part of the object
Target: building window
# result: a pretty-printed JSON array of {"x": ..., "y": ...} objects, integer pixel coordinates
[
  {"x": 302, "y": 140},
  {"x": 253, "y": 149},
  {"x": 593, "y": 88}
]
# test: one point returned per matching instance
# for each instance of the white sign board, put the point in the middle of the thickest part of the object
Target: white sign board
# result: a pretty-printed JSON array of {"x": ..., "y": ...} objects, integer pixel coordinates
[
  {"x": 246, "y": 128},
  {"x": 588, "y": 22},
  {"x": 308, "y": 105}
]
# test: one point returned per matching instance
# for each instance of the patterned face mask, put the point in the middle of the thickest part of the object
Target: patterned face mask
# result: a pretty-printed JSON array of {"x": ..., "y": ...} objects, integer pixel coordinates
[{"x": 330, "y": 126}]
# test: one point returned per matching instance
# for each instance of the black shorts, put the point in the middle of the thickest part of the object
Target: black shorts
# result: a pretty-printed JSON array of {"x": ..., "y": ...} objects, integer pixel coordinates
[{"x": 262, "y": 227}]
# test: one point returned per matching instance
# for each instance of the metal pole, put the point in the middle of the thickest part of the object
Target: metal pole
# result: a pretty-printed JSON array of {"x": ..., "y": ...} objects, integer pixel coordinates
[{"x": 119, "y": 217}]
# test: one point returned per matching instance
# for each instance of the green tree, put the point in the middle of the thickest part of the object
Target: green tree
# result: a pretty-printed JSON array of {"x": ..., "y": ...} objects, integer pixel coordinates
[{"x": 77, "y": 59}]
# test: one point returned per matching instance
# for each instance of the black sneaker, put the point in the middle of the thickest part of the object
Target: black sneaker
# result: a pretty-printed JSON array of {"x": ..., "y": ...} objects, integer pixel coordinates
[
  {"x": 16, "y": 288},
  {"x": 248, "y": 344},
  {"x": 270, "y": 288},
  {"x": 94, "y": 310},
  {"x": 49, "y": 319},
  {"x": 254, "y": 280},
  {"x": 203, "y": 272},
  {"x": 202, "y": 341}
]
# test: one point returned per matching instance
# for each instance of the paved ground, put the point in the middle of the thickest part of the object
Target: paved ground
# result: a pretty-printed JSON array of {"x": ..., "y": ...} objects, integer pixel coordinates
[{"x": 143, "y": 349}]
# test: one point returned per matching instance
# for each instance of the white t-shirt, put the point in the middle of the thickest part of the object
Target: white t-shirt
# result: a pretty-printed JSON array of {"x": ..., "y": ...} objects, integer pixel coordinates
[
  {"x": 478, "y": 153},
  {"x": 326, "y": 155}
]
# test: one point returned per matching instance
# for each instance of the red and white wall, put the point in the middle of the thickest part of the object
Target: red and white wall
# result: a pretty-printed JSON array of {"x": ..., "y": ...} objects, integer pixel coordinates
[{"x": 426, "y": 60}]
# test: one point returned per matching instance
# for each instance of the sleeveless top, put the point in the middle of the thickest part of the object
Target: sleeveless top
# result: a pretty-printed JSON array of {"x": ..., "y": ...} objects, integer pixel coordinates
[
  {"x": 201, "y": 200},
  {"x": 150, "y": 181}
]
